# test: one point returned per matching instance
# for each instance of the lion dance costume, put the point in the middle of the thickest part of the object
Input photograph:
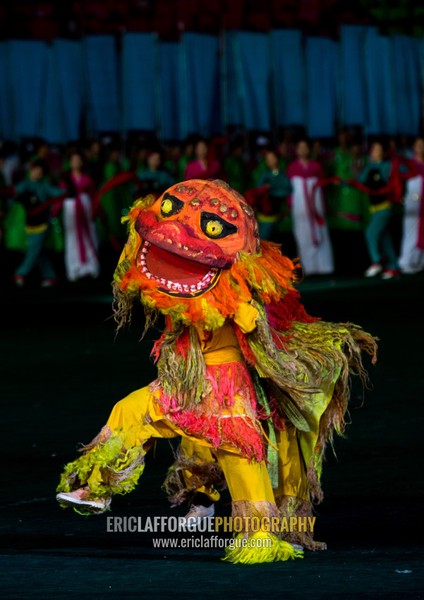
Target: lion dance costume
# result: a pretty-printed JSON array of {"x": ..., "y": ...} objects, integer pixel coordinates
[{"x": 254, "y": 385}]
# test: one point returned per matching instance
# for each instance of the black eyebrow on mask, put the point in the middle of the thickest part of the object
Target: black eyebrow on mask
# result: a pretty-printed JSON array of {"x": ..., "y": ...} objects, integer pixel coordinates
[
  {"x": 208, "y": 216},
  {"x": 173, "y": 198}
]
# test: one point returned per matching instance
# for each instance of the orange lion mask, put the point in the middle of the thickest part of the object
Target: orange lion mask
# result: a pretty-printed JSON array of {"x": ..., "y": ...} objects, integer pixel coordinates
[{"x": 194, "y": 254}]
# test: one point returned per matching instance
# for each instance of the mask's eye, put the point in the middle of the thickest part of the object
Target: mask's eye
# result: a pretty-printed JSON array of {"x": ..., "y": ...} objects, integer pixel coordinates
[
  {"x": 215, "y": 227},
  {"x": 170, "y": 205}
]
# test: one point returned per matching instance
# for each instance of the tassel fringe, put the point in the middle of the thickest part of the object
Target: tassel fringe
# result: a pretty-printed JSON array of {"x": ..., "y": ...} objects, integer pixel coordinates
[
  {"x": 203, "y": 474},
  {"x": 260, "y": 547},
  {"x": 119, "y": 469},
  {"x": 291, "y": 506}
]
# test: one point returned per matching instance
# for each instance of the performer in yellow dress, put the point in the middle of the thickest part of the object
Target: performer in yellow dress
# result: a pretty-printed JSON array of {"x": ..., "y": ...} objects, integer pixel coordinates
[{"x": 251, "y": 382}]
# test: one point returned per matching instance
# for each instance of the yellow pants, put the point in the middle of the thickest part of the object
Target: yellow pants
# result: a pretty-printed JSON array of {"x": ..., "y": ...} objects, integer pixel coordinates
[
  {"x": 295, "y": 452},
  {"x": 113, "y": 463},
  {"x": 110, "y": 465},
  {"x": 292, "y": 480}
]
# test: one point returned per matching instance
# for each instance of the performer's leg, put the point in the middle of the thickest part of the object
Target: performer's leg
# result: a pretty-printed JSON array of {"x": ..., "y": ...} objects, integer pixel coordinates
[
  {"x": 253, "y": 501},
  {"x": 324, "y": 257},
  {"x": 35, "y": 243},
  {"x": 292, "y": 478},
  {"x": 46, "y": 266},
  {"x": 411, "y": 257},
  {"x": 293, "y": 495},
  {"x": 247, "y": 481},
  {"x": 408, "y": 245},
  {"x": 194, "y": 475},
  {"x": 300, "y": 455},
  {"x": 388, "y": 249},
  {"x": 374, "y": 232},
  {"x": 113, "y": 462}
]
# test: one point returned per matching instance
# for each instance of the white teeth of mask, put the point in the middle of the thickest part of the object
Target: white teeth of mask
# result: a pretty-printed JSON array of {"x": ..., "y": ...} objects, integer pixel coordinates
[{"x": 173, "y": 285}]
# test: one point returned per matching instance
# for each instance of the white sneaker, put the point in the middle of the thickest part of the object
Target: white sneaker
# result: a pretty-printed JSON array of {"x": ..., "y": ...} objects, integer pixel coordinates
[
  {"x": 297, "y": 546},
  {"x": 195, "y": 516},
  {"x": 81, "y": 497},
  {"x": 374, "y": 270}
]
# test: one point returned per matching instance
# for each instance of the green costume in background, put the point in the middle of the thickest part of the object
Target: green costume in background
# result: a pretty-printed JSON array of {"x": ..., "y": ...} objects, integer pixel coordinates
[
  {"x": 348, "y": 208},
  {"x": 31, "y": 194},
  {"x": 348, "y": 216},
  {"x": 277, "y": 214},
  {"x": 115, "y": 203},
  {"x": 379, "y": 241}
]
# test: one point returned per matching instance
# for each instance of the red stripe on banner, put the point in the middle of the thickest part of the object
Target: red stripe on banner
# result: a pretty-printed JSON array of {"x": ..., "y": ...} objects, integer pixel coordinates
[
  {"x": 117, "y": 180},
  {"x": 45, "y": 205}
]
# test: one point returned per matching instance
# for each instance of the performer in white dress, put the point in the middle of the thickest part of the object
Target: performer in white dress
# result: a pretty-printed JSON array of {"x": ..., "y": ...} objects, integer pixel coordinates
[
  {"x": 309, "y": 225},
  {"x": 412, "y": 248},
  {"x": 81, "y": 257}
]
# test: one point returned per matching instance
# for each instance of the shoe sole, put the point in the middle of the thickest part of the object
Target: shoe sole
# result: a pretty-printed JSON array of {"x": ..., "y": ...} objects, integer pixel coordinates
[
  {"x": 192, "y": 523},
  {"x": 297, "y": 546},
  {"x": 369, "y": 275},
  {"x": 64, "y": 499}
]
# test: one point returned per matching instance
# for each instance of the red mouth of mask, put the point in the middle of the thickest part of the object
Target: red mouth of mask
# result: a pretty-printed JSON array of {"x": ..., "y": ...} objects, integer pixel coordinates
[
  {"x": 175, "y": 275},
  {"x": 181, "y": 264}
]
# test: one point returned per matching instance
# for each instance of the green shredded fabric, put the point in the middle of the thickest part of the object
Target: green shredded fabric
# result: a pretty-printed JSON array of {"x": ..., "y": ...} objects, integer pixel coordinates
[
  {"x": 272, "y": 453},
  {"x": 107, "y": 469}
]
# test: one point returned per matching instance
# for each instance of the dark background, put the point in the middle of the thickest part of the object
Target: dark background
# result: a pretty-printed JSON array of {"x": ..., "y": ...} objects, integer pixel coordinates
[
  {"x": 62, "y": 371},
  {"x": 47, "y": 19}
]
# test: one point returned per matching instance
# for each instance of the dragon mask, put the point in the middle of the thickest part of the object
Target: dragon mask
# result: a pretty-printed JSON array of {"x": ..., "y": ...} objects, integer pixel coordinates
[{"x": 194, "y": 254}]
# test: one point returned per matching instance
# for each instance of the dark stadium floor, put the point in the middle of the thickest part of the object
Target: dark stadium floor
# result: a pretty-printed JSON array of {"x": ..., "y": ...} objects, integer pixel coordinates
[{"x": 62, "y": 371}]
